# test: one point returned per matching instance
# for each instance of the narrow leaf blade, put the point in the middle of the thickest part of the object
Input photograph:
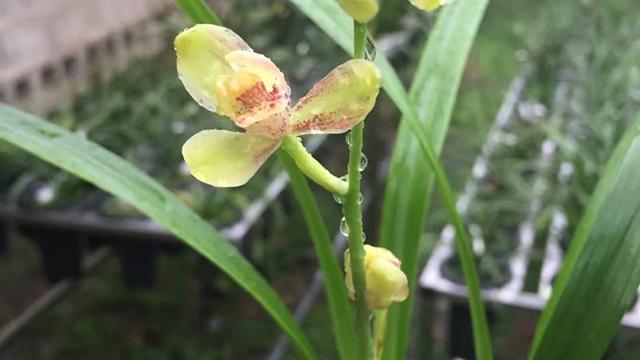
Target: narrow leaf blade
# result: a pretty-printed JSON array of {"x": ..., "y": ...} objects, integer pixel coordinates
[
  {"x": 601, "y": 271},
  {"x": 410, "y": 181},
  {"x": 106, "y": 170},
  {"x": 339, "y": 304},
  {"x": 198, "y": 12}
]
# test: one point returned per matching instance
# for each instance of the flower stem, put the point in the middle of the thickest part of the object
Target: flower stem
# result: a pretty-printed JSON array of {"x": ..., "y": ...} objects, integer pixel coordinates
[
  {"x": 312, "y": 168},
  {"x": 353, "y": 217},
  {"x": 379, "y": 332}
]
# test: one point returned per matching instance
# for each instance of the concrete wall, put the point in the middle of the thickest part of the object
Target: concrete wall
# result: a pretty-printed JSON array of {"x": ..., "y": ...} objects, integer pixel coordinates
[{"x": 50, "y": 48}]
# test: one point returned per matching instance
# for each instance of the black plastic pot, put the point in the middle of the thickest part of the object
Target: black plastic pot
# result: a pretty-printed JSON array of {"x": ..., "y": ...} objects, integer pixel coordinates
[
  {"x": 461, "y": 331},
  {"x": 450, "y": 265},
  {"x": 4, "y": 240},
  {"x": 61, "y": 250},
  {"x": 139, "y": 264}
]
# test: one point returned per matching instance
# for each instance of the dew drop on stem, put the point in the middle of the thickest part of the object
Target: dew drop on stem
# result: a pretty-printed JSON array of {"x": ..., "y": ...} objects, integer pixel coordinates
[
  {"x": 339, "y": 199},
  {"x": 363, "y": 162},
  {"x": 370, "y": 49},
  {"x": 344, "y": 228},
  {"x": 348, "y": 139}
]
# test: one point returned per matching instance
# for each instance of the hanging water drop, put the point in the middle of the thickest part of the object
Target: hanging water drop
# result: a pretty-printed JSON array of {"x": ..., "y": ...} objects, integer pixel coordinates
[
  {"x": 370, "y": 49},
  {"x": 360, "y": 198},
  {"x": 348, "y": 139},
  {"x": 344, "y": 228},
  {"x": 363, "y": 162},
  {"x": 364, "y": 237},
  {"x": 339, "y": 199}
]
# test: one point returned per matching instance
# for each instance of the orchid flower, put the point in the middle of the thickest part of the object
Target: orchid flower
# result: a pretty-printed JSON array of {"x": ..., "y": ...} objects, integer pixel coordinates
[{"x": 223, "y": 74}]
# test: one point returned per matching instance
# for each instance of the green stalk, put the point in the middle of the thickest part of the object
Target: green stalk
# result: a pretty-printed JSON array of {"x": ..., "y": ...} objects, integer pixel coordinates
[
  {"x": 336, "y": 292},
  {"x": 481, "y": 335},
  {"x": 379, "y": 332},
  {"x": 311, "y": 167},
  {"x": 353, "y": 216}
]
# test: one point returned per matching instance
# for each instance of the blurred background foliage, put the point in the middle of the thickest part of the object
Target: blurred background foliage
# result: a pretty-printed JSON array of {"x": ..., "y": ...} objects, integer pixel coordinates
[{"x": 145, "y": 115}]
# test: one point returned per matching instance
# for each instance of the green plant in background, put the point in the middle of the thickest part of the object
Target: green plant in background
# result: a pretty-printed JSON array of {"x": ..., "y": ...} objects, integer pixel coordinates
[{"x": 372, "y": 273}]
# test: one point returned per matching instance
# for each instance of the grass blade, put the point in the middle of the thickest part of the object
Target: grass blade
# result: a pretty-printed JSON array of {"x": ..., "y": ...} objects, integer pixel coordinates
[
  {"x": 601, "y": 271},
  {"x": 410, "y": 182},
  {"x": 106, "y": 170},
  {"x": 198, "y": 12},
  {"x": 344, "y": 329}
]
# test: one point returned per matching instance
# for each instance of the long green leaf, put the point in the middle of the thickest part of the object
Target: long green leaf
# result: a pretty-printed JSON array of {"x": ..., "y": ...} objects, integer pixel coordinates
[
  {"x": 106, "y": 170},
  {"x": 601, "y": 271},
  {"x": 198, "y": 11},
  {"x": 343, "y": 326},
  {"x": 410, "y": 181}
]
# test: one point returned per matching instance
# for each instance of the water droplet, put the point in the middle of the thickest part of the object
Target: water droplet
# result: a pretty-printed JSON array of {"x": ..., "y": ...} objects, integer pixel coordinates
[
  {"x": 339, "y": 199},
  {"x": 363, "y": 162},
  {"x": 348, "y": 139},
  {"x": 364, "y": 237},
  {"x": 344, "y": 228},
  {"x": 344, "y": 177},
  {"x": 360, "y": 198},
  {"x": 370, "y": 49}
]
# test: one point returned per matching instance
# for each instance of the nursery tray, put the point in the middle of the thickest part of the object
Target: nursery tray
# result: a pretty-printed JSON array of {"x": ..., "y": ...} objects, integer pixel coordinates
[{"x": 512, "y": 292}]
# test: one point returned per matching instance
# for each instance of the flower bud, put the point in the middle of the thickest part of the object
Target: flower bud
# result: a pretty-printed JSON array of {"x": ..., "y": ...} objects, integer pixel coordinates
[
  {"x": 430, "y": 5},
  {"x": 386, "y": 282},
  {"x": 362, "y": 11}
]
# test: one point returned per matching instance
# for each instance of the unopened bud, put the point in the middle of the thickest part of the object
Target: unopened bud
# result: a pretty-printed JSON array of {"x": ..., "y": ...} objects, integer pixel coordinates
[
  {"x": 362, "y": 11},
  {"x": 386, "y": 282},
  {"x": 430, "y": 5}
]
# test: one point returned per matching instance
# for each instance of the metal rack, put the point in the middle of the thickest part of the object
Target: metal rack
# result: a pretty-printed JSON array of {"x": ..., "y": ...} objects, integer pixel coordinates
[{"x": 512, "y": 293}]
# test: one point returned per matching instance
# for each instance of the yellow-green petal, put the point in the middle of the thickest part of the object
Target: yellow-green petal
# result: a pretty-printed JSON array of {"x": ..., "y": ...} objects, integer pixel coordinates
[
  {"x": 385, "y": 280},
  {"x": 225, "y": 158},
  {"x": 430, "y": 5},
  {"x": 339, "y": 101},
  {"x": 362, "y": 11},
  {"x": 201, "y": 56}
]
